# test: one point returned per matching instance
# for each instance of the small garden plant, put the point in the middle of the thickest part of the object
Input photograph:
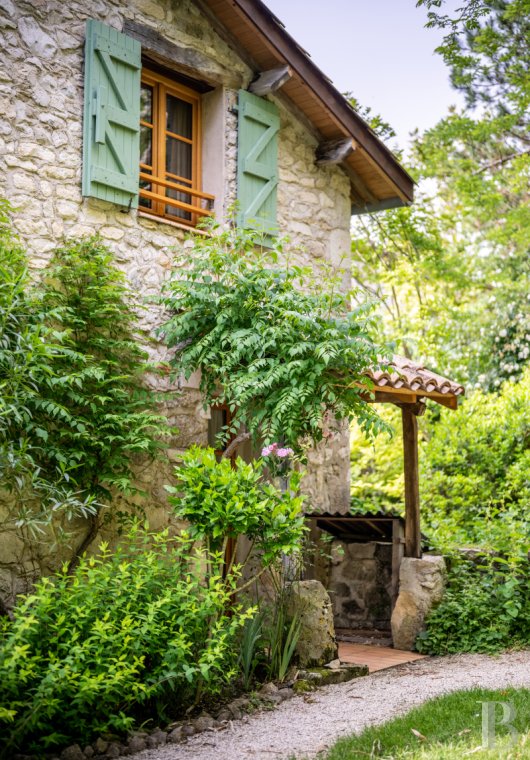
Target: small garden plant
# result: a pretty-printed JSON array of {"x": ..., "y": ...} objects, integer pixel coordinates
[
  {"x": 225, "y": 500},
  {"x": 485, "y": 608}
]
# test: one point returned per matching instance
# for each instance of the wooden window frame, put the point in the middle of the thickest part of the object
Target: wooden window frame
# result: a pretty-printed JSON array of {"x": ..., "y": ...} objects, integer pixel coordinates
[
  {"x": 201, "y": 204},
  {"x": 226, "y": 409}
]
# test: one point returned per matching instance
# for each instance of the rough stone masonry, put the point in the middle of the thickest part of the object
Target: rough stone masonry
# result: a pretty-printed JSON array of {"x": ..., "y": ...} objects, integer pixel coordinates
[{"x": 41, "y": 105}]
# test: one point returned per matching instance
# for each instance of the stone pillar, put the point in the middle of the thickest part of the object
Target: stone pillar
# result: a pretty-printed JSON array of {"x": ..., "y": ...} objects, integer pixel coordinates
[{"x": 421, "y": 584}]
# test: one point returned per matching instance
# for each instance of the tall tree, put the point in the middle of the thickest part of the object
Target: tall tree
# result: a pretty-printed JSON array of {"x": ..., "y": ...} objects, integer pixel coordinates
[{"x": 454, "y": 269}]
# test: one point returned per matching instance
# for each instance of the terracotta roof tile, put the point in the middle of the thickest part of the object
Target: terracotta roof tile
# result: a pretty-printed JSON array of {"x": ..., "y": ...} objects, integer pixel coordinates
[{"x": 410, "y": 375}]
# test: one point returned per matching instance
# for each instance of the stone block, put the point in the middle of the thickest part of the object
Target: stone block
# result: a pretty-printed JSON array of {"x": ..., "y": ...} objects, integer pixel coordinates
[
  {"x": 175, "y": 736},
  {"x": 327, "y": 676},
  {"x": 74, "y": 752},
  {"x": 361, "y": 551},
  {"x": 421, "y": 585},
  {"x": 67, "y": 209},
  {"x": 316, "y": 643},
  {"x": 137, "y": 744},
  {"x": 112, "y": 233},
  {"x": 36, "y": 39}
]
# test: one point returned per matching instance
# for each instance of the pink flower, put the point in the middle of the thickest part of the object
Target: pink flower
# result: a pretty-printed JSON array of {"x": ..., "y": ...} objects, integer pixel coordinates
[
  {"x": 273, "y": 448},
  {"x": 270, "y": 449}
]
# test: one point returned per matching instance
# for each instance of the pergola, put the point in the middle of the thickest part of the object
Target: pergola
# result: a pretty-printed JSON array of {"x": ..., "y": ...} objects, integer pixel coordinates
[{"x": 407, "y": 385}]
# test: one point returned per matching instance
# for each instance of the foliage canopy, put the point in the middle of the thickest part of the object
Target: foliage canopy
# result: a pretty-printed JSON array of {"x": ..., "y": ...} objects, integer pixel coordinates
[{"x": 282, "y": 346}]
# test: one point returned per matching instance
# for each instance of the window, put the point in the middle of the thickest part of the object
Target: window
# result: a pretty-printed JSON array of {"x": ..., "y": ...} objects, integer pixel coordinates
[
  {"x": 170, "y": 151},
  {"x": 141, "y": 120},
  {"x": 220, "y": 419}
]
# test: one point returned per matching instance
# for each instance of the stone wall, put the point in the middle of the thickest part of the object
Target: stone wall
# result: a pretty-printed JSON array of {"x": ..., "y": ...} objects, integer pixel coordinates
[
  {"x": 358, "y": 577},
  {"x": 41, "y": 97},
  {"x": 360, "y": 584}
]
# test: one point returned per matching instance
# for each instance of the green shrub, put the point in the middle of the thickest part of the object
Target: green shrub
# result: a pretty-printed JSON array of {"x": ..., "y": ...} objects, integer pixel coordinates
[
  {"x": 107, "y": 417},
  {"x": 486, "y": 608},
  {"x": 129, "y": 637},
  {"x": 222, "y": 501},
  {"x": 475, "y": 475},
  {"x": 74, "y": 413},
  {"x": 29, "y": 350}
]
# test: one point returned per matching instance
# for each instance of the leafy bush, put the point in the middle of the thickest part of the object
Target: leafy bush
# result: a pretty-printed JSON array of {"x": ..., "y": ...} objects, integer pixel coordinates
[
  {"x": 283, "y": 346},
  {"x": 486, "y": 608},
  {"x": 107, "y": 416},
  {"x": 131, "y": 635},
  {"x": 475, "y": 485},
  {"x": 222, "y": 501}
]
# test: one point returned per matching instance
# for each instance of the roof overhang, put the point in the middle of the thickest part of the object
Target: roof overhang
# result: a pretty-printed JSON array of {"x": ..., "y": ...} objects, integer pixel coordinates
[
  {"x": 378, "y": 181},
  {"x": 357, "y": 528}
]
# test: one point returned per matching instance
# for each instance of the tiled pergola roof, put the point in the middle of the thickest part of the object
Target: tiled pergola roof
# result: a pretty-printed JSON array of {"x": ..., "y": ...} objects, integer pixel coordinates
[{"x": 407, "y": 381}]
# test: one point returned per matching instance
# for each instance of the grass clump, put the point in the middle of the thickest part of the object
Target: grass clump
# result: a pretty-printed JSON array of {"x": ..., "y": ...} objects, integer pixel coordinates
[{"x": 448, "y": 727}]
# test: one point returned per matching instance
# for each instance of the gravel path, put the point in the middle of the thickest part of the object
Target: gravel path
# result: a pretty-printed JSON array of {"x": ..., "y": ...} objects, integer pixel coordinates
[{"x": 305, "y": 725}]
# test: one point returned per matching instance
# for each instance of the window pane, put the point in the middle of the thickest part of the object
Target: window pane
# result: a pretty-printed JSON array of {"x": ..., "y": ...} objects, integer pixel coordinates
[
  {"x": 146, "y": 103},
  {"x": 178, "y": 157},
  {"x": 178, "y": 196},
  {"x": 179, "y": 116},
  {"x": 146, "y": 145},
  {"x": 145, "y": 185}
]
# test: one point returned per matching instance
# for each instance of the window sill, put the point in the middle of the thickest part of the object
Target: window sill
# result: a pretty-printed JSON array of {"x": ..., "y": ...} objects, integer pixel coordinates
[{"x": 171, "y": 223}]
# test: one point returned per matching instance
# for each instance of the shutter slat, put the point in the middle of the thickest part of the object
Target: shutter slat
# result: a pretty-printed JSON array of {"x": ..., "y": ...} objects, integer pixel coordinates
[
  {"x": 111, "y": 130},
  {"x": 259, "y": 124}
]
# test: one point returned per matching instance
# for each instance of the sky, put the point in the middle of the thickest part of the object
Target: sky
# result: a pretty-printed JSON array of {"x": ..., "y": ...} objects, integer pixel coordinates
[{"x": 380, "y": 51}]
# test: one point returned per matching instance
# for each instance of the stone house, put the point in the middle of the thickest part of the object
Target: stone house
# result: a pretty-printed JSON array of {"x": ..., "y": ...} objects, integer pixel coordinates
[{"x": 134, "y": 119}]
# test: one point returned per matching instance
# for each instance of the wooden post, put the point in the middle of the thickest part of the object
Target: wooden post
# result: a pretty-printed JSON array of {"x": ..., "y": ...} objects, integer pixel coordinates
[
  {"x": 397, "y": 556},
  {"x": 412, "y": 490}
]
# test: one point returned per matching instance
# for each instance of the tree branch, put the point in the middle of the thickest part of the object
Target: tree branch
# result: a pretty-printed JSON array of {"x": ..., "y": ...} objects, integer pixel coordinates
[
  {"x": 85, "y": 543},
  {"x": 233, "y": 445},
  {"x": 500, "y": 161}
]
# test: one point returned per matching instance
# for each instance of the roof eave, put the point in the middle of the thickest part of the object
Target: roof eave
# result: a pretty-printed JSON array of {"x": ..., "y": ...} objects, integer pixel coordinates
[{"x": 347, "y": 120}]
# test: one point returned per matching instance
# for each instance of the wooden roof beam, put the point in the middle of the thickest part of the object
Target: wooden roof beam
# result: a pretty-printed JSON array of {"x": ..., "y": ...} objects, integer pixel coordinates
[
  {"x": 284, "y": 48},
  {"x": 334, "y": 151},
  {"x": 270, "y": 81}
]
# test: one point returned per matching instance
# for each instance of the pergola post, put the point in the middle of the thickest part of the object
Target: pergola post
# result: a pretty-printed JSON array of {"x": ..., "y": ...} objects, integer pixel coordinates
[{"x": 412, "y": 490}]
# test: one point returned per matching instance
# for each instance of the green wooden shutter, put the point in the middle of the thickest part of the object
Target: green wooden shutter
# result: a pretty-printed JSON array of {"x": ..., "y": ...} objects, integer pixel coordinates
[
  {"x": 111, "y": 130},
  {"x": 257, "y": 166}
]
